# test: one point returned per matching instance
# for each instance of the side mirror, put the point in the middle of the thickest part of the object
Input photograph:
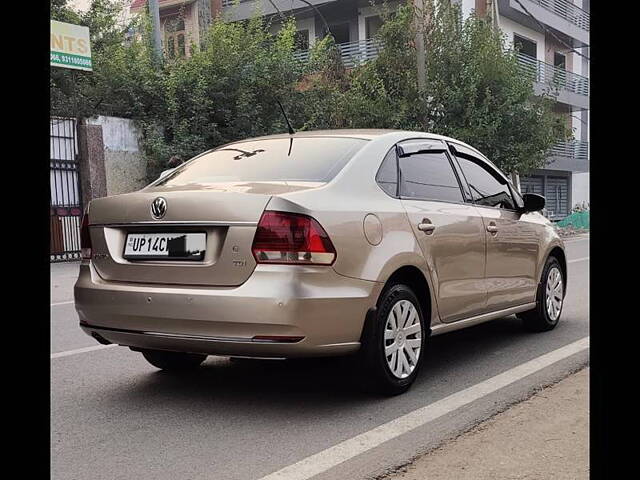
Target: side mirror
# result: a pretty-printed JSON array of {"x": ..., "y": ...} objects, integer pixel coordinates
[
  {"x": 165, "y": 173},
  {"x": 533, "y": 202}
]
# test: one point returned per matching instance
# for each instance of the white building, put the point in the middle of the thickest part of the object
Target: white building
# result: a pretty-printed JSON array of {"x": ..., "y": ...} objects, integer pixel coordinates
[{"x": 553, "y": 39}]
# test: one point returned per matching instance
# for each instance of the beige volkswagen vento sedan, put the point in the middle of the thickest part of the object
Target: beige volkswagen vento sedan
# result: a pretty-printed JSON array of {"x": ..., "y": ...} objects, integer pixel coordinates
[{"x": 318, "y": 243}]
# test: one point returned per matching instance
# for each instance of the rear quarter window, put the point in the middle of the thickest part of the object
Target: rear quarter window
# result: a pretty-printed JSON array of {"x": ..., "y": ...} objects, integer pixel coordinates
[{"x": 308, "y": 159}]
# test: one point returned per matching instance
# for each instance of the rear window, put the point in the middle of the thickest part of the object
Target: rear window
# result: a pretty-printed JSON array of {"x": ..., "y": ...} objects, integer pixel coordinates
[{"x": 307, "y": 159}]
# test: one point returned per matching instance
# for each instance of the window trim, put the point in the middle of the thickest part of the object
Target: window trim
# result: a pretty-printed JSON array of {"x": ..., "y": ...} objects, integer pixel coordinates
[
  {"x": 428, "y": 199},
  {"x": 515, "y": 197},
  {"x": 487, "y": 165},
  {"x": 466, "y": 189}
]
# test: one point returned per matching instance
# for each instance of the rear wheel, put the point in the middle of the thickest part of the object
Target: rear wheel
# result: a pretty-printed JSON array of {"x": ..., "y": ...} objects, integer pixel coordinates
[
  {"x": 550, "y": 297},
  {"x": 173, "y": 361},
  {"x": 392, "y": 353}
]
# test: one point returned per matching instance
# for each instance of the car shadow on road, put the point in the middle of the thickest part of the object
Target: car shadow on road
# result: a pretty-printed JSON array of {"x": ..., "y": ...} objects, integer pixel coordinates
[{"x": 324, "y": 381}]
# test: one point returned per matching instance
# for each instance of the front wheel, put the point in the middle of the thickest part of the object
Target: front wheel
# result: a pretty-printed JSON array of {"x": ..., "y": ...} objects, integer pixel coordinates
[
  {"x": 392, "y": 354},
  {"x": 550, "y": 297},
  {"x": 173, "y": 361}
]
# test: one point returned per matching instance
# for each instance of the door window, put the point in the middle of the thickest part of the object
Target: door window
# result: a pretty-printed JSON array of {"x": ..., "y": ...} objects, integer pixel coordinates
[
  {"x": 429, "y": 176},
  {"x": 485, "y": 187}
]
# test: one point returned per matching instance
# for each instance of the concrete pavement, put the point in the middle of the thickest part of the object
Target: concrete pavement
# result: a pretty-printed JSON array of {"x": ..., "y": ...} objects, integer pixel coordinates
[
  {"x": 546, "y": 436},
  {"x": 115, "y": 416}
]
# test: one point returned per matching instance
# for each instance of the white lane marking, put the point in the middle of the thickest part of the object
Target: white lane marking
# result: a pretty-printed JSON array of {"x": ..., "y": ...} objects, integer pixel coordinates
[
  {"x": 582, "y": 259},
  {"x": 80, "y": 350},
  {"x": 61, "y": 303},
  {"x": 579, "y": 239},
  {"x": 341, "y": 452}
]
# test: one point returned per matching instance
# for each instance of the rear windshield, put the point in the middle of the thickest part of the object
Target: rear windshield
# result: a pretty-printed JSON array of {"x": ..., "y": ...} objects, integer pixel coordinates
[{"x": 307, "y": 159}]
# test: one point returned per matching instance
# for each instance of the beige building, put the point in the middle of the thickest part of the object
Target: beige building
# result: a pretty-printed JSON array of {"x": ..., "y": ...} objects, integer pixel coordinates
[{"x": 182, "y": 22}]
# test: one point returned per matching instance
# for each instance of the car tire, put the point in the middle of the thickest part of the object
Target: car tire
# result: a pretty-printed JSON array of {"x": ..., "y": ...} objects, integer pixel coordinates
[
  {"x": 380, "y": 374},
  {"x": 551, "y": 289},
  {"x": 173, "y": 361}
]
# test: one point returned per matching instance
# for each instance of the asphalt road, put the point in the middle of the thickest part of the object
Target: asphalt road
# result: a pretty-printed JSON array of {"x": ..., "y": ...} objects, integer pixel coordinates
[{"x": 113, "y": 416}]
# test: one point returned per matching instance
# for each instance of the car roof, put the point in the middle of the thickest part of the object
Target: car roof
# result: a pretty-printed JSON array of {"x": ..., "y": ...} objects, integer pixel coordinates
[{"x": 363, "y": 133}]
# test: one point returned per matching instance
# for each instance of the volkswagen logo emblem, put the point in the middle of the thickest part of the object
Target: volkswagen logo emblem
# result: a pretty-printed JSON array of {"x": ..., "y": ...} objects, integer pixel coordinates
[{"x": 158, "y": 208}]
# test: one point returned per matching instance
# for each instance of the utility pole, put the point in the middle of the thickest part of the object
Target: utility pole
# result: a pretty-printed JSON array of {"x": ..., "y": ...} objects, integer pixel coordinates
[
  {"x": 154, "y": 13},
  {"x": 494, "y": 16},
  {"x": 421, "y": 55}
]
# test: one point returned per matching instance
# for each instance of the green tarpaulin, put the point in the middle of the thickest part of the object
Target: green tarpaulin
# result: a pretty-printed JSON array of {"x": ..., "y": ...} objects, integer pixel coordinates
[{"x": 576, "y": 220}]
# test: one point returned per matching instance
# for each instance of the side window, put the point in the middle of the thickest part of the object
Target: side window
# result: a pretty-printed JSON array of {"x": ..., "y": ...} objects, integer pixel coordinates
[
  {"x": 387, "y": 176},
  {"x": 485, "y": 188},
  {"x": 429, "y": 176}
]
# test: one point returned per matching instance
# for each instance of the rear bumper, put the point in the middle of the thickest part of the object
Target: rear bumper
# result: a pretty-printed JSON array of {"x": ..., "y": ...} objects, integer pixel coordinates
[{"x": 326, "y": 309}]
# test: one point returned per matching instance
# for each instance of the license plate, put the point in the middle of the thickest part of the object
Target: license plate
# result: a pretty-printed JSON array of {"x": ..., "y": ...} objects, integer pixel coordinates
[{"x": 165, "y": 246}]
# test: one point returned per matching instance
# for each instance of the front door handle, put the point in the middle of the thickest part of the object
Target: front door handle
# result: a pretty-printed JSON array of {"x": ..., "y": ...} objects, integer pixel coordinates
[
  {"x": 426, "y": 226},
  {"x": 492, "y": 228}
]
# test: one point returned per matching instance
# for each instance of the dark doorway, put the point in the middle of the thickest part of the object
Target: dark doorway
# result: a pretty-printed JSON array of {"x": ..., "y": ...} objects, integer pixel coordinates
[{"x": 525, "y": 46}]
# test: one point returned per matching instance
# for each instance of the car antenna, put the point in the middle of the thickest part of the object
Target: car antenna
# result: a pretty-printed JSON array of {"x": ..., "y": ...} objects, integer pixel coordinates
[{"x": 291, "y": 131}]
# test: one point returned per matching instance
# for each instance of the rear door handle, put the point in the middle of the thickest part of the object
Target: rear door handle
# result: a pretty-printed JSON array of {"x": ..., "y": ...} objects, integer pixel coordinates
[
  {"x": 492, "y": 228},
  {"x": 426, "y": 226}
]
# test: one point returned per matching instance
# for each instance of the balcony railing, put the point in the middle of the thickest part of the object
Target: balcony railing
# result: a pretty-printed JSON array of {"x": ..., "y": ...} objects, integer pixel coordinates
[
  {"x": 567, "y": 10},
  {"x": 572, "y": 149},
  {"x": 356, "y": 53},
  {"x": 352, "y": 53},
  {"x": 553, "y": 76}
]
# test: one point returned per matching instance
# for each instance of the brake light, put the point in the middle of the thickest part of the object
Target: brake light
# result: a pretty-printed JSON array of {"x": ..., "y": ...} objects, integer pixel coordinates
[
  {"x": 291, "y": 238},
  {"x": 85, "y": 238}
]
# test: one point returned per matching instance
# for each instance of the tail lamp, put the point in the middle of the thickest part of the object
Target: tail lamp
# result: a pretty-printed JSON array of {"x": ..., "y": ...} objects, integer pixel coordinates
[
  {"x": 291, "y": 238},
  {"x": 85, "y": 238}
]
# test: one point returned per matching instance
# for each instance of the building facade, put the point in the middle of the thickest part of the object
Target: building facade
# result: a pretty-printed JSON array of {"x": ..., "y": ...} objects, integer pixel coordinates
[
  {"x": 182, "y": 22},
  {"x": 550, "y": 35}
]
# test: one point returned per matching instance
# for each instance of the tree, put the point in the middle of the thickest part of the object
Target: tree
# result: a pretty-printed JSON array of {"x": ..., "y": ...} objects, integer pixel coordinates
[
  {"x": 475, "y": 90},
  {"x": 227, "y": 89},
  {"x": 123, "y": 82}
]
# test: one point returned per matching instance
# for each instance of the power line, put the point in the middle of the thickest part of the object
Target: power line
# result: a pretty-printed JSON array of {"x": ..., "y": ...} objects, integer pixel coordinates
[{"x": 546, "y": 29}]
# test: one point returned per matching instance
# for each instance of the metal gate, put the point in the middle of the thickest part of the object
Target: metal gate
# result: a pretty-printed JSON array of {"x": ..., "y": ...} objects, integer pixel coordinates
[
  {"x": 557, "y": 194},
  {"x": 555, "y": 189},
  {"x": 66, "y": 200}
]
